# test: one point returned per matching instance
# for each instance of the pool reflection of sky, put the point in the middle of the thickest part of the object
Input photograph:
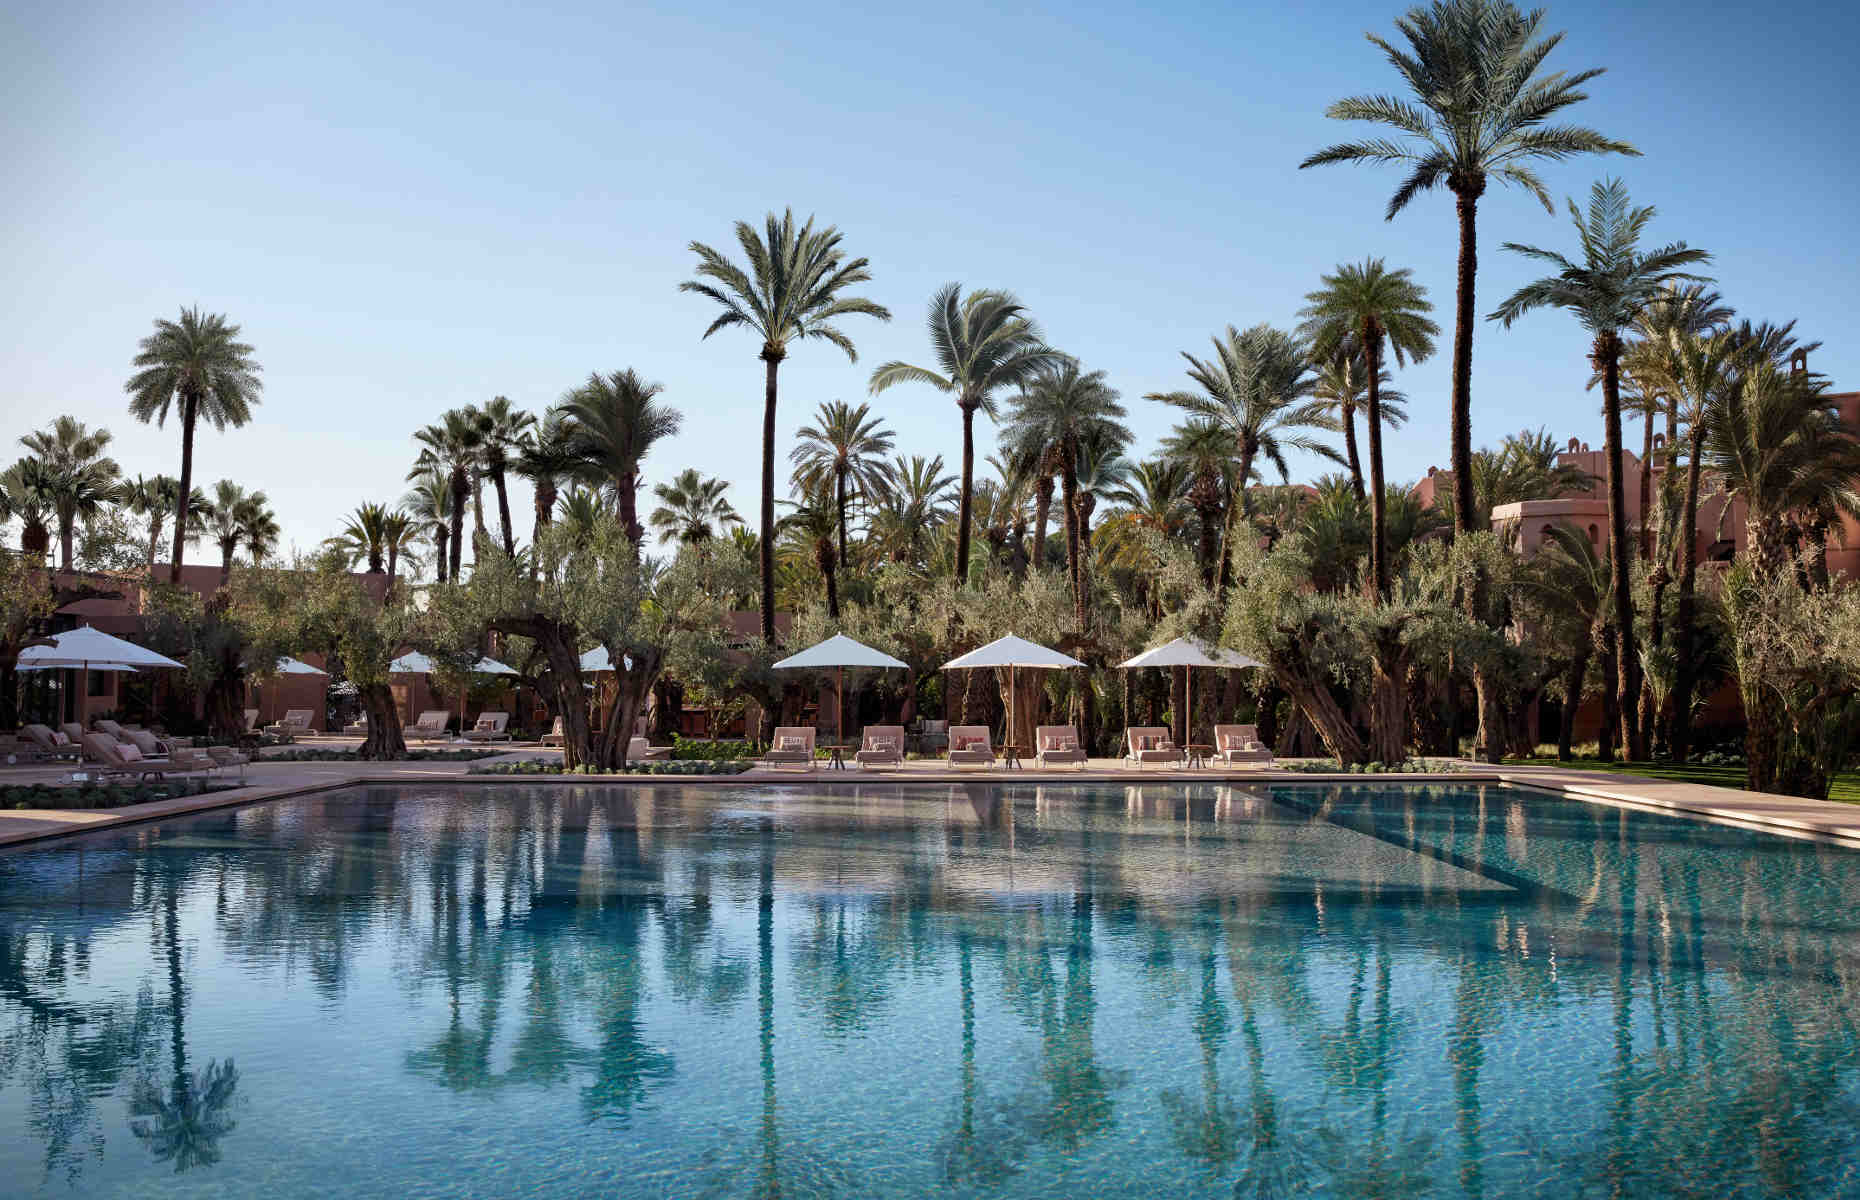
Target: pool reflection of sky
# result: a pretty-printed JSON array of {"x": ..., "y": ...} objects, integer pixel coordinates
[{"x": 862, "y": 991}]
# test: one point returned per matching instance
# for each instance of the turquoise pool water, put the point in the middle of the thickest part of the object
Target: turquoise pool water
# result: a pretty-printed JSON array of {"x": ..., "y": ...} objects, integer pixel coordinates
[{"x": 884, "y": 991}]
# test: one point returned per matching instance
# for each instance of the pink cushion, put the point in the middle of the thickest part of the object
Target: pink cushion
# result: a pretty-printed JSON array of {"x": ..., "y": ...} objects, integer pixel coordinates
[
  {"x": 129, "y": 750},
  {"x": 790, "y": 742},
  {"x": 884, "y": 743},
  {"x": 59, "y": 738}
]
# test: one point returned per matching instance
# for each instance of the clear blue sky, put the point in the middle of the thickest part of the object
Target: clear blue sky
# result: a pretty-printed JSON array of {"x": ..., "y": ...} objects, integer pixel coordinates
[{"x": 413, "y": 209}]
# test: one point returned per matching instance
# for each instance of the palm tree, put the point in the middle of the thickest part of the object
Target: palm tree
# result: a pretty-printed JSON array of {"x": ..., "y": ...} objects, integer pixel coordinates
[
  {"x": 1365, "y": 304},
  {"x": 79, "y": 479},
  {"x": 1778, "y": 444},
  {"x": 794, "y": 290},
  {"x": 1205, "y": 450},
  {"x": 153, "y": 497},
  {"x": 28, "y": 498},
  {"x": 1099, "y": 471},
  {"x": 581, "y": 511},
  {"x": 613, "y": 422},
  {"x": 1061, "y": 407},
  {"x": 1479, "y": 111},
  {"x": 364, "y": 535},
  {"x": 812, "y": 525},
  {"x": 1605, "y": 293},
  {"x": 258, "y": 529},
  {"x": 1341, "y": 385},
  {"x": 400, "y": 536},
  {"x": 507, "y": 430},
  {"x": 198, "y": 366},
  {"x": 546, "y": 458},
  {"x": 1255, "y": 388},
  {"x": 1524, "y": 467},
  {"x": 983, "y": 344},
  {"x": 428, "y": 504},
  {"x": 228, "y": 512},
  {"x": 692, "y": 508},
  {"x": 845, "y": 452},
  {"x": 451, "y": 448},
  {"x": 917, "y": 504}
]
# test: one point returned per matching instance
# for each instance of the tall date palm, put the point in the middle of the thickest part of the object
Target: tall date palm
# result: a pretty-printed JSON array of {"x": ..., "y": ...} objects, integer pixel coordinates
[
  {"x": 984, "y": 343},
  {"x": 843, "y": 452},
  {"x": 1479, "y": 110},
  {"x": 692, "y": 508},
  {"x": 614, "y": 421},
  {"x": 794, "y": 290},
  {"x": 1605, "y": 292},
  {"x": 1369, "y": 305},
  {"x": 197, "y": 367}
]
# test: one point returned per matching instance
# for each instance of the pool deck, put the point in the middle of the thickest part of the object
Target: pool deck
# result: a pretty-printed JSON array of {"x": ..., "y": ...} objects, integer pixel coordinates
[{"x": 278, "y": 780}]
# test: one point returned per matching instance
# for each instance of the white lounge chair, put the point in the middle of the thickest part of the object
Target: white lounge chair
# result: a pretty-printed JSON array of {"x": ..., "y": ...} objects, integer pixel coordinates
[
  {"x": 490, "y": 727},
  {"x": 1149, "y": 744},
  {"x": 50, "y": 743},
  {"x": 969, "y": 746},
  {"x": 793, "y": 747},
  {"x": 1240, "y": 744},
  {"x": 640, "y": 750},
  {"x": 430, "y": 726},
  {"x": 555, "y": 736},
  {"x": 881, "y": 746},
  {"x": 1058, "y": 744},
  {"x": 296, "y": 724}
]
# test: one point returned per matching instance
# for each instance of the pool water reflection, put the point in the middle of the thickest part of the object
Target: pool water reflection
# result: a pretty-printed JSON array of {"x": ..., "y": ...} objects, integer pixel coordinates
[{"x": 987, "y": 991}]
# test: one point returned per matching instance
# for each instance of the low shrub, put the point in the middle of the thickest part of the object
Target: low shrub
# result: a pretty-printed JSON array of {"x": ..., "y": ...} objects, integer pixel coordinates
[
  {"x": 715, "y": 766},
  {"x": 690, "y": 748},
  {"x": 105, "y": 795}
]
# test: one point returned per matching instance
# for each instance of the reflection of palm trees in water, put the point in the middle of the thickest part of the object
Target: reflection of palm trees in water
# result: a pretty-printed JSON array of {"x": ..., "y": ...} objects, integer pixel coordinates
[
  {"x": 969, "y": 1154},
  {"x": 1209, "y": 1132},
  {"x": 185, "y": 1123}
]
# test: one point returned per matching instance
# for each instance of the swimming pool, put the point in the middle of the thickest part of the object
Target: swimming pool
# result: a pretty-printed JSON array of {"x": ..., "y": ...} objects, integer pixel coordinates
[{"x": 989, "y": 991}]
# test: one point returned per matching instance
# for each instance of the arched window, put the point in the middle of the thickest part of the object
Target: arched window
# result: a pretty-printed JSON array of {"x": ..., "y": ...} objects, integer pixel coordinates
[{"x": 1595, "y": 536}]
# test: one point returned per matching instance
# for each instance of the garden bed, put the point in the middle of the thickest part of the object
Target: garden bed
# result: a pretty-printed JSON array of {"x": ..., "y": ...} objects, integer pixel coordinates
[
  {"x": 106, "y": 795},
  {"x": 699, "y": 766}
]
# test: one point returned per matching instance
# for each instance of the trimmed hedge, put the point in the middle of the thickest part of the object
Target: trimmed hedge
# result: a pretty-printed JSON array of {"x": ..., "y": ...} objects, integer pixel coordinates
[
  {"x": 690, "y": 748},
  {"x": 105, "y": 795},
  {"x": 699, "y": 766}
]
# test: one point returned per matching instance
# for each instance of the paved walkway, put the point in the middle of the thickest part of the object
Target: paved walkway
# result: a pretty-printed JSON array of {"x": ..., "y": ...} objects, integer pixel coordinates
[{"x": 275, "y": 780}]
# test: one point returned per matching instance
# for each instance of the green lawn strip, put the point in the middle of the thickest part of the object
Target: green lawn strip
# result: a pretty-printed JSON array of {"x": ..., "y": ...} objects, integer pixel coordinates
[{"x": 1846, "y": 788}]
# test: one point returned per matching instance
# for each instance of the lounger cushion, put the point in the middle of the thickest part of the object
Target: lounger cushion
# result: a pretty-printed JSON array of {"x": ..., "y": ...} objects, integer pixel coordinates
[
  {"x": 884, "y": 743},
  {"x": 130, "y": 751},
  {"x": 60, "y": 738},
  {"x": 791, "y": 743}
]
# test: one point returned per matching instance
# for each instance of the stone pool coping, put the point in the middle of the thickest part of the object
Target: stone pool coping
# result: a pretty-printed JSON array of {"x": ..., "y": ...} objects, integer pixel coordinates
[{"x": 1769, "y": 813}]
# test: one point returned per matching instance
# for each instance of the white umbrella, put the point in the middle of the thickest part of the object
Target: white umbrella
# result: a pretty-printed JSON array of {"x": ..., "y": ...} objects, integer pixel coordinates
[
  {"x": 1186, "y": 652},
  {"x": 90, "y": 649},
  {"x": 415, "y": 663},
  {"x": 1013, "y": 652},
  {"x": 840, "y": 652},
  {"x": 292, "y": 666}
]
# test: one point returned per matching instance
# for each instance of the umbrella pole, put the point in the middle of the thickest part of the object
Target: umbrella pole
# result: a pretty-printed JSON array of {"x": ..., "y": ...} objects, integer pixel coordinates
[
  {"x": 839, "y": 707},
  {"x": 1012, "y": 697}
]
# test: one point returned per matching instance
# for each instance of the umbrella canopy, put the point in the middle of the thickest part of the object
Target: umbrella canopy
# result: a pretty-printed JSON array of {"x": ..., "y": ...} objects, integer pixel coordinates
[
  {"x": 291, "y": 666},
  {"x": 96, "y": 666},
  {"x": 839, "y": 651},
  {"x": 1186, "y": 652},
  {"x": 597, "y": 660},
  {"x": 92, "y": 649},
  {"x": 1012, "y": 651},
  {"x": 415, "y": 663}
]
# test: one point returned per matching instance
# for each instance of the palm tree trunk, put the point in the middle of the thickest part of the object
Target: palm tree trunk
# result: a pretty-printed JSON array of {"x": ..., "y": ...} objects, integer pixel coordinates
[
  {"x": 1463, "y": 322},
  {"x": 1685, "y": 612},
  {"x": 829, "y": 572},
  {"x": 188, "y": 413},
  {"x": 441, "y": 536},
  {"x": 1608, "y": 356},
  {"x": 1209, "y": 548},
  {"x": 1572, "y": 700},
  {"x": 226, "y": 557},
  {"x": 393, "y": 563},
  {"x": 1042, "y": 509},
  {"x": 461, "y": 489},
  {"x": 1246, "y": 472},
  {"x": 965, "y": 502},
  {"x": 156, "y": 520},
  {"x": 1646, "y": 487},
  {"x": 67, "y": 526},
  {"x": 771, "y": 358},
  {"x": 1069, "y": 493},
  {"x": 627, "y": 493},
  {"x": 1349, "y": 436},
  {"x": 1378, "y": 516},
  {"x": 503, "y": 511},
  {"x": 839, "y": 499}
]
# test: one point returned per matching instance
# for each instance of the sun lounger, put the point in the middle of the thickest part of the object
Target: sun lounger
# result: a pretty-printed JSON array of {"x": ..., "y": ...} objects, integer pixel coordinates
[
  {"x": 490, "y": 727},
  {"x": 555, "y": 736},
  {"x": 1058, "y": 744},
  {"x": 881, "y": 746},
  {"x": 110, "y": 727},
  {"x": 640, "y": 750},
  {"x": 226, "y": 757},
  {"x": 251, "y": 721},
  {"x": 50, "y": 743},
  {"x": 112, "y": 757},
  {"x": 296, "y": 724},
  {"x": 793, "y": 747},
  {"x": 969, "y": 746},
  {"x": 1150, "y": 744},
  {"x": 357, "y": 727},
  {"x": 1240, "y": 744},
  {"x": 74, "y": 731},
  {"x": 430, "y": 726}
]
